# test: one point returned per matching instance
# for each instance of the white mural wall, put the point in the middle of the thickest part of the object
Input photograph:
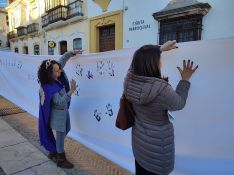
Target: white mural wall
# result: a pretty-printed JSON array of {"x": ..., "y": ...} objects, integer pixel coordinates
[{"x": 203, "y": 129}]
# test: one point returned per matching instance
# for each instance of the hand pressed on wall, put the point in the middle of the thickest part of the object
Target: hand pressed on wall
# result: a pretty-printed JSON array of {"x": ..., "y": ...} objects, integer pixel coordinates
[{"x": 188, "y": 70}]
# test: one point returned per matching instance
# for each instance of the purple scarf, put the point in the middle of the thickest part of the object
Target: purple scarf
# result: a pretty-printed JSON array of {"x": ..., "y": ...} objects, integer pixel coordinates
[{"x": 45, "y": 132}]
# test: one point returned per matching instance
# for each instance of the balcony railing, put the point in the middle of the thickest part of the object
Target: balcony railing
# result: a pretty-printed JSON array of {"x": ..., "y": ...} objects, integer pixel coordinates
[
  {"x": 21, "y": 31},
  {"x": 56, "y": 14},
  {"x": 75, "y": 9},
  {"x": 62, "y": 13},
  {"x": 31, "y": 28},
  {"x": 12, "y": 35}
]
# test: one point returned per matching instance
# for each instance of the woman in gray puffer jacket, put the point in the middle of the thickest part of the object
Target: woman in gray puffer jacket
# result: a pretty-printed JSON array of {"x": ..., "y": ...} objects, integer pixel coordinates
[{"x": 152, "y": 96}]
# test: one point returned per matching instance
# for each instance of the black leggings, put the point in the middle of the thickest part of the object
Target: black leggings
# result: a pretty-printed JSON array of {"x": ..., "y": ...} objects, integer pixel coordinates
[{"x": 141, "y": 171}]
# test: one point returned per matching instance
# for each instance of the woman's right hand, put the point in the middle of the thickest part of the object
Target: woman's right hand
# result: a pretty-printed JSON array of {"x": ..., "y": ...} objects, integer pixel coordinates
[
  {"x": 187, "y": 71},
  {"x": 77, "y": 51},
  {"x": 73, "y": 85}
]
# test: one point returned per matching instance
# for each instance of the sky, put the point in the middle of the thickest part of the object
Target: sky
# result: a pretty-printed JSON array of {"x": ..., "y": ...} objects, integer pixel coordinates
[{"x": 3, "y": 3}]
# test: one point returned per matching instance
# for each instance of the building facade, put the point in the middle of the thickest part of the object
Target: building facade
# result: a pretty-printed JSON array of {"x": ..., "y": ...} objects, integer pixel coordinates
[
  {"x": 183, "y": 20},
  {"x": 3, "y": 28},
  {"x": 25, "y": 35},
  {"x": 55, "y": 26},
  {"x": 65, "y": 26}
]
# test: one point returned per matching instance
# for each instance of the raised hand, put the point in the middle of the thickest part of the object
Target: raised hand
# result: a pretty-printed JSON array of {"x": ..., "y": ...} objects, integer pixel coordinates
[
  {"x": 169, "y": 45},
  {"x": 77, "y": 51},
  {"x": 73, "y": 85},
  {"x": 187, "y": 71}
]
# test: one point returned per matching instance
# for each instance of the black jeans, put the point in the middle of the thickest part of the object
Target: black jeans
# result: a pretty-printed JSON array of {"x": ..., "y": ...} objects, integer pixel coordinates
[{"x": 141, "y": 171}]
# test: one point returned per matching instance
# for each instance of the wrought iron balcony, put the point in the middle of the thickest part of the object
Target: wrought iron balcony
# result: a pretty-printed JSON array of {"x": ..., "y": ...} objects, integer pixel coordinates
[
  {"x": 75, "y": 9},
  {"x": 21, "y": 31},
  {"x": 62, "y": 12},
  {"x": 31, "y": 28},
  {"x": 12, "y": 35},
  {"x": 56, "y": 14}
]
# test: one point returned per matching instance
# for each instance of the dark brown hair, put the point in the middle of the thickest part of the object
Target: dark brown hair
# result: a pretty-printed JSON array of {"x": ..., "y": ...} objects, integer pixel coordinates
[
  {"x": 45, "y": 74},
  {"x": 146, "y": 61}
]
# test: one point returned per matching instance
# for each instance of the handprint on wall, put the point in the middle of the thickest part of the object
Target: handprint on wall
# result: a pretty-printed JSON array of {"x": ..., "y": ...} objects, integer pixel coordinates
[
  {"x": 109, "y": 110},
  {"x": 97, "y": 115},
  {"x": 79, "y": 70}
]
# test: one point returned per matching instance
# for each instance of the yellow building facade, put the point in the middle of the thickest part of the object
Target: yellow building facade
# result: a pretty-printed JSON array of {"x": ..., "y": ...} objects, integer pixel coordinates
[{"x": 114, "y": 19}]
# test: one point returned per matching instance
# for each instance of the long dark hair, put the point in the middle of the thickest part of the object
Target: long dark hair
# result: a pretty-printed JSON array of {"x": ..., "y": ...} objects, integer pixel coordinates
[
  {"x": 45, "y": 72},
  {"x": 146, "y": 62}
]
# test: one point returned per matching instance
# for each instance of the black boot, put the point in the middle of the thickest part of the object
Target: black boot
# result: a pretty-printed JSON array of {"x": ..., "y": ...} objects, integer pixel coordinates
[
  {"x": 52, "y": 156},
  {"x": 62, "y": 161}
]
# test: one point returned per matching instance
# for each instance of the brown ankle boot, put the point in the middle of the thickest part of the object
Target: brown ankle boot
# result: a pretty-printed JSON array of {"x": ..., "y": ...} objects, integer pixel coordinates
[
  {"x": 52, "y": 156},
  {"x": 62, "y": 161}
]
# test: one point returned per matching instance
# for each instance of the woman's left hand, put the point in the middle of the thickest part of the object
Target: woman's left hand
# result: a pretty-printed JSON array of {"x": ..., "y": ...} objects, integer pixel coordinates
[{"x": 169, "y": 45}]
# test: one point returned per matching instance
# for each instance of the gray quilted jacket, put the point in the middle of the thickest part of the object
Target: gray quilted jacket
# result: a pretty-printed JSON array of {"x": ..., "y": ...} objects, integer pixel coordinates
[{"x": 153, "y": 134}]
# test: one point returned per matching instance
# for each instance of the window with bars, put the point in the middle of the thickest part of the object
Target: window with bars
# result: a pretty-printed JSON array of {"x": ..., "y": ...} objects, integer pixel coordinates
[
  {"x": 16, "y": 50},
  {"x": 36, "y": 49},
  {"x": 186, "y": 28},
  {"x": 77, "y": 43}
]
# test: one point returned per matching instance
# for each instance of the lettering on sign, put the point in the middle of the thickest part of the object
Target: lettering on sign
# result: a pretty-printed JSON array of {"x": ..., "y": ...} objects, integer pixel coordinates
[{"x": 139, "y": 25}]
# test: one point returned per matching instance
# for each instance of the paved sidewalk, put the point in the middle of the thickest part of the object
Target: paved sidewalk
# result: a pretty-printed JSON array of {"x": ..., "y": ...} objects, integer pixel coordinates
[
  {"x": 19, "y": 157},
  {"x": 21, "y": 152}
]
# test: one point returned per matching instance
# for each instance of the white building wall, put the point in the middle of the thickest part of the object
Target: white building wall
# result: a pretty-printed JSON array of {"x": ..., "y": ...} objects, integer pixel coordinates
[
  {"x": 218, "y": 23},
  {"x": 139, "y": 15},
  {"x": 93, "y": 9},
  {"x": 68, "y": 33},
  {"x": 30, "y": 42},
  {"x": 115, "y": 5},
  {"x": 33, "y": 41},
  {"x": 19, "y": 45}
]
